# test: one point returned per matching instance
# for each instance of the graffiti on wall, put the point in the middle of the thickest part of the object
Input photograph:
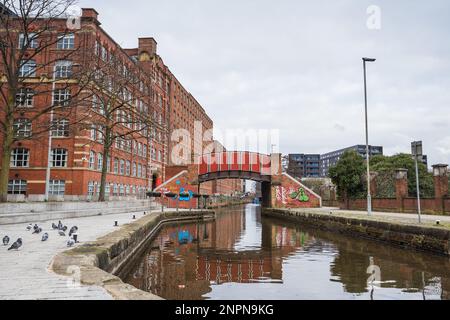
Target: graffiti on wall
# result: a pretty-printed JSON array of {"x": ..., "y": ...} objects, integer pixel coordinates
[{"x": 289, "y": 194}]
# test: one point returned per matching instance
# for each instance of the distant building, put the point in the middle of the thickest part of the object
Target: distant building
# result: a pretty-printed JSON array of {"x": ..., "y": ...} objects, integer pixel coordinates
[
  {"x": 304, "y": 165},
  {"x": 330, "y": 159}
]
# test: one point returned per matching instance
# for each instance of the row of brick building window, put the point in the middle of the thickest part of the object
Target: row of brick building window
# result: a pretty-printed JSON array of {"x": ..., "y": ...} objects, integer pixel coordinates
[
  {"x": 20, "y": 157},
  {"x": 56, "y": 187},
  {"x": 115, "y": 188},
  {"x": 64, "y": 42}
]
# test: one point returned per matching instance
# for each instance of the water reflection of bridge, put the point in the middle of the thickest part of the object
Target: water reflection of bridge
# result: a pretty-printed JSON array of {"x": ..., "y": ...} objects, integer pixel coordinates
[{"x": 185, "y": 260}]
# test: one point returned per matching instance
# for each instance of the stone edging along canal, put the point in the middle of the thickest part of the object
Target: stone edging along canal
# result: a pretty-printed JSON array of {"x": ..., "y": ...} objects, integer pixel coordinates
[
  {"x": 413, "y": 236},
  {"x": 97, "y": 263}
]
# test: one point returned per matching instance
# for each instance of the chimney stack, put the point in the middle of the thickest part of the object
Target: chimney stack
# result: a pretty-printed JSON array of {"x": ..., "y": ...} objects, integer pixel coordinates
[{"x": 148, "y": 45}]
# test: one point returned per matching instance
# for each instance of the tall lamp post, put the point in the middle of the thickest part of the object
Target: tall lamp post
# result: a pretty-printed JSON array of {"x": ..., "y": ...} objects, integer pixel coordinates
[
  {"x": 416, "y": 148},
  {"x": 369, "y": 197}
]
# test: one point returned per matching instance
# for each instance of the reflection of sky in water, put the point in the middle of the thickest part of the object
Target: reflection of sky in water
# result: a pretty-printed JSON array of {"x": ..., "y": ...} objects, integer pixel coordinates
[
  {"x": 252, "y": 235},
  {"x": 304, "y": 279},
  {"x": 289, "y": 262}
]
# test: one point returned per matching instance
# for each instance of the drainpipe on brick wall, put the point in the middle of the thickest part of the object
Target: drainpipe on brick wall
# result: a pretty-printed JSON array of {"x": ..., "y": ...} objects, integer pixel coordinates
[{"x": 50, "y": 140}]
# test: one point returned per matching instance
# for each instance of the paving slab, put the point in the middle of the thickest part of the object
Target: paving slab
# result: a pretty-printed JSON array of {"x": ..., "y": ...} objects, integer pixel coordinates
[{"x": 25, "y": 273}]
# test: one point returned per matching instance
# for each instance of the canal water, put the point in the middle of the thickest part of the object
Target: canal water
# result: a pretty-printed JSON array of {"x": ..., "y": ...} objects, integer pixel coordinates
[{"x": 243, "y": 256}]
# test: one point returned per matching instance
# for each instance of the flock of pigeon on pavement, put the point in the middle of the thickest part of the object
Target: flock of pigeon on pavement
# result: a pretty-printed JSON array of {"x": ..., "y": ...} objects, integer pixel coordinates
[{"x": 38, "y": 230}]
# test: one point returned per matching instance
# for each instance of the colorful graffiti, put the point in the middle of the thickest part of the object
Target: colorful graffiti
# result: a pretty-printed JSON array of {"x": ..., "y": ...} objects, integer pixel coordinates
[
  {"x": 300, "y": 195},
  {"x": 285, "y": 195}
]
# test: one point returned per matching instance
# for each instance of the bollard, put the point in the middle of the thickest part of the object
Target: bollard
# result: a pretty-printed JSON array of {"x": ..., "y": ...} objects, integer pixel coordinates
[
  {"x": 438, "y": 222},
  {"x": 134, "y": 217},
  {"x": 116, "y": 223},
  {"x": 75, "y": 237}
]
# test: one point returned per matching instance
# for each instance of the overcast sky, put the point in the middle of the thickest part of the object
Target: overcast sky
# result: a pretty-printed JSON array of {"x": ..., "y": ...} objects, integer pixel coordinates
[{"x": 296, "y": 66}]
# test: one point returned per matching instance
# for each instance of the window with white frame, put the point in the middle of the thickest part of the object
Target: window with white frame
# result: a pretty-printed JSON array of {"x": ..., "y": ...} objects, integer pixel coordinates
[
  {"x": 24, "y": 98},
  {"x": 27, "y": 68},
  {"x": 93, "y": 132},
  {"x": 134, "y": 170},
  {"x": 22, "y": 128},
  {"x": 63, "y": 69},
  {"x": 104, "y": 53},
  {"x": 128, "y": 168},
  {"x": 116, "y": 165},
  {"x": 122, "y": 167},
  {"x": 108, "y": 164},
  {"x": 127, "y": 189},
  {"x": 59, "y": 158},
  {"x": 28, "y": 41},
  {"x": 66, "y": 41},
  {"x": 139, "y": 173},
  {"x": 60, "y": 128},
  {"x": 17, "y": 187},
  {"x": 107, "y": 189},
  {"x": 99, "y": 162},
  {"x": 122, "y": 190},
  {"x": 57, "y": 187},
  {"x": 61, "y": 97},
  {"x": 144, "y": 172},
  {"x": 115, "y": 189},
  {"x": 92, "y": 160},
  {"x": 91, "y": 188},
  {"x": 144, "y": 151},
  {"x": 20, "y": 157}
]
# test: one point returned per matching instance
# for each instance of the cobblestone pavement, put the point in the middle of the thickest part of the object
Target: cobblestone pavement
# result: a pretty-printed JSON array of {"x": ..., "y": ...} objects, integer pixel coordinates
[{"x": 24, "y": 274}]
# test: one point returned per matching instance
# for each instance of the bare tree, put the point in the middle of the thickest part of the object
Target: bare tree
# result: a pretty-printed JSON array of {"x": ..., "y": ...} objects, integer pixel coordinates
[
  {"x": 120, "y": 112},
  {"x": 37, "y": 51}
]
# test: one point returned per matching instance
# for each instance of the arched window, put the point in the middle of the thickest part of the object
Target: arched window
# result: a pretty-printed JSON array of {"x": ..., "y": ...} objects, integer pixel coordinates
[{"x": 27, "y": 68}]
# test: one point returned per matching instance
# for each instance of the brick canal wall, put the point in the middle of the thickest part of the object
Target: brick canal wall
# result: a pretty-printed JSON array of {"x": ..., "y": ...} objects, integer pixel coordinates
[
  {"x": 406, "y": 205},
  {"x": 431, "y": 239},
  {"x": 102, "y": 262}
]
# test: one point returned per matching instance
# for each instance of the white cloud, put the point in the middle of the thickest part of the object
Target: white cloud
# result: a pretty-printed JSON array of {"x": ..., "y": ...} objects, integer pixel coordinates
[{"x": 296, "y": 65}]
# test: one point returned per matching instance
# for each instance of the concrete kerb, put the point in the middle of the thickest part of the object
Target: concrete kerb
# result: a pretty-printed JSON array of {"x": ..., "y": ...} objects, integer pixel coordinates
[
  {"x": 424, "y": 238},
  {"x": 97, "y": 263}
]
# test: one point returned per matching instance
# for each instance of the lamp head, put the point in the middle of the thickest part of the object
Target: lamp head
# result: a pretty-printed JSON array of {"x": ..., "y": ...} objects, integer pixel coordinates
[{"x": 369, "y": 59}]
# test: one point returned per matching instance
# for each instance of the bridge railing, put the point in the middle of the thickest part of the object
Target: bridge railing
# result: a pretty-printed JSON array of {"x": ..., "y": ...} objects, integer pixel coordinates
[{"x": 235, "y": 161}]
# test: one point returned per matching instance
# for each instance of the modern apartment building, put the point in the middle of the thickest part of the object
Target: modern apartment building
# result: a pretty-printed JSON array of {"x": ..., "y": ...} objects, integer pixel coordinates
[
  {"x": 303, "y": 165},
  {"x": 330, "y": 159}
]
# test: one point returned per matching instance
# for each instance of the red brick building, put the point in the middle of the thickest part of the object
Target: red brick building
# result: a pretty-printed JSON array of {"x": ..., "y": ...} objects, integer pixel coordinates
[{"x": 75, "y": 151}]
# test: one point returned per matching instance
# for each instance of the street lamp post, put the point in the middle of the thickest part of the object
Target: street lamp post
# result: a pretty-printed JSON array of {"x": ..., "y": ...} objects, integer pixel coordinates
[
  {"x": 416, "y": 148},
  {"x": 369, "y": 197}
]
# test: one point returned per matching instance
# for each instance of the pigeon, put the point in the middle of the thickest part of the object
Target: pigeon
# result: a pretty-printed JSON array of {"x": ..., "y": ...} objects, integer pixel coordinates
[
  {"x": 16, "y": 245},
  {"x": 5, "y": 240},
  {"x": 29, "y": 227},
  {"x": 35, "y": 227},
  {"x": 73, "y": 230},
  {"x": 37, "y": 231},
  {"x": 61, "y": 233},
  {"x": 45, "y": 237},
  {"x": 70, "y": 243},
  {"x": 64, "y": 228},
  {"x": 60, "y": 225},
  {"x": 54, "y": 226}
]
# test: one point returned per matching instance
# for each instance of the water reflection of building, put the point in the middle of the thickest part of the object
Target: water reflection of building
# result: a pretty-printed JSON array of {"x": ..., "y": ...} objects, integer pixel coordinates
[{"x": 184, "y": 261}]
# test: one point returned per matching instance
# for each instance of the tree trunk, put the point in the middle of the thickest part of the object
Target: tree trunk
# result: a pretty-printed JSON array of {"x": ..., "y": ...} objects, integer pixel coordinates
[
  {"x": 7, "y": 145},
  {"x": 6, "y": 158}
]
